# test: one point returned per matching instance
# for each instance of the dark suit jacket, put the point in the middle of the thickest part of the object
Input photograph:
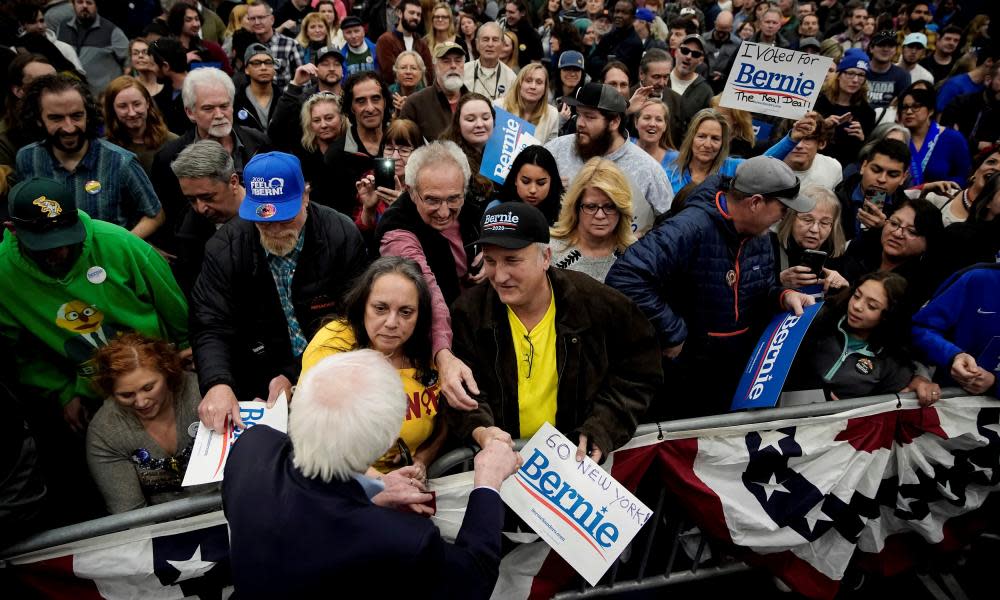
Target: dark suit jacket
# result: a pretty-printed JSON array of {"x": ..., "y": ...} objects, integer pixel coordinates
[{"x": 296, "y": 537}]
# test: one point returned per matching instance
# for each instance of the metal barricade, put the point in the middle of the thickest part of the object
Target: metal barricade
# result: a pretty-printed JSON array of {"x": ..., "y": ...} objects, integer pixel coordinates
[{"x": 665, "y": 535}]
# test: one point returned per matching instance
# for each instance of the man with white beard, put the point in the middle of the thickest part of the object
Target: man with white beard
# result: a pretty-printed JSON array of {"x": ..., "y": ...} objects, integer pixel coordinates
[
  {"x": 208, "y": 95},
  {"x": 267, "y": 280},
  {"x": 431, "y": 108}
]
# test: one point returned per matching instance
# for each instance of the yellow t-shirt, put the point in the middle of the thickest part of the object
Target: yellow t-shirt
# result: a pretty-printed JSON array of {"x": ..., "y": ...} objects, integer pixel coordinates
[
  {"x": 421, "y": 401},
  {"x": 537, "y": 379}
]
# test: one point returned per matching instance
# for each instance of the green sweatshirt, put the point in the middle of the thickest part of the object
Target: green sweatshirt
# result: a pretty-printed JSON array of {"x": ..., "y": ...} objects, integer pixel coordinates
[{"x": 52, "y": 326}]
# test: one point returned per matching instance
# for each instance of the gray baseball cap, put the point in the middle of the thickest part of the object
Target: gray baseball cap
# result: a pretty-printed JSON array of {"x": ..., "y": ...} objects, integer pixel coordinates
[
  {"x": 599, "y": 96},
  {"x": 772, "y": 178}
]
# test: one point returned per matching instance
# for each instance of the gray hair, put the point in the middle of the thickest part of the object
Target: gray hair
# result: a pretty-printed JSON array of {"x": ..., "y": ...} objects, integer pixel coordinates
[
  {"x": 436, "y": 153},
  {"x": 204, "y": 158},
  {"x": 347, "y": 412},
  {"x": 879, "y": 133},
  {"x": 488, "y": 24},
  {"x": 654, "y": 55},
  {"x": 206, "y": 77},
  {"x": 415, "y": 55}
]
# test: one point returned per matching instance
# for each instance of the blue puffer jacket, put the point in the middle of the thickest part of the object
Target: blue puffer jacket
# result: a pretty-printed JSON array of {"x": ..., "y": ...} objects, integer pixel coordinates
[{"x": 696, "y": 278}]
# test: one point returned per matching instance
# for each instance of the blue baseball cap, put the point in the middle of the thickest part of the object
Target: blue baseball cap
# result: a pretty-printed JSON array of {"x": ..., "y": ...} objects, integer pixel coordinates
[
  {"x": 644, "y": 14},
  {"x": 571, "y": 59},
  {"x": 854, "y": 58},
  {"x": 274, "y": 185}
]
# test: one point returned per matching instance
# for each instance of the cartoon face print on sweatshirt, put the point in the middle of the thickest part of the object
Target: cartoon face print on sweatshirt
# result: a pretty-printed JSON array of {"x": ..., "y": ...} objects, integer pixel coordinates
[{"x": 86, "y": 322}]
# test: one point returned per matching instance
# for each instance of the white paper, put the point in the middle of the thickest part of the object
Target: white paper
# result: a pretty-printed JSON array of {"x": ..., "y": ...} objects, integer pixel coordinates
[
  {"x": 576, "y": 507},
  {"x": 211, "y": 449},
  {"x": 775, "y": 81}
]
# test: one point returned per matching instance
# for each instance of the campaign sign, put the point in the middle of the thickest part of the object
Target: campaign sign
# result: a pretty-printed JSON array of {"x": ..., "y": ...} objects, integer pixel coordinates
[
  {"x": 765, "y": 374},
  {"x": 576, "y": 507},
  {"x": 775, "y": 81},
  {"x": 510, "y": 135},
  {"x": 211, "y": 449}
]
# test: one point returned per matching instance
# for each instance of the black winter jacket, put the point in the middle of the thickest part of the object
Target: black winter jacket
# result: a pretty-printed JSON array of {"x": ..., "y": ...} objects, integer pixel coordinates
[
  {"x": 238, "y": 329},
  {"x": 607, "y": 359}
]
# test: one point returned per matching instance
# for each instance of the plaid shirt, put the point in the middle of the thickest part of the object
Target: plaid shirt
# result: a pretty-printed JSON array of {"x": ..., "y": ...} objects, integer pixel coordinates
[
  {"x": 283, "y": 270},
  {"x": 108, "y": 183},
  {"x": 286, "y": 58}
]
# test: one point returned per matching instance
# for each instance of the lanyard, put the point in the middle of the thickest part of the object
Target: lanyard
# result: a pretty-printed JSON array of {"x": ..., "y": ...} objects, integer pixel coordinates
[
  {"x": 496, "y": 85},
  {"x": 917, "y": 172}
]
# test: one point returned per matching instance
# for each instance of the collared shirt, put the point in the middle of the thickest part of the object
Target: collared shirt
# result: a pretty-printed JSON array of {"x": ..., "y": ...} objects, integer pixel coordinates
[
  {"x": 286, "y": 59},
  {"x": 108, "y": 183},
  {"x": 283, "y": 271}
]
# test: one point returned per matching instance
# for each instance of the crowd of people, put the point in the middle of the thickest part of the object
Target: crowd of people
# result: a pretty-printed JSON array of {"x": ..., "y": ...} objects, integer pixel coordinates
[{"x": 213, "y": 202}]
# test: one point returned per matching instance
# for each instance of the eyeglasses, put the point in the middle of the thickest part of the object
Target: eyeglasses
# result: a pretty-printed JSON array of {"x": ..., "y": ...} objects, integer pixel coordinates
[
  {"x": 908, "y": 230},
  {"x": 138, "y": 52},
  {"x": 261, "y": 63},
  {"x": 609, "y": 210},
  {"x": 43, "y": 224},
  {"x": 256, "y": 19},
  {"x": 403, "y": 151},
  {"x": 689, "y": 52},
  {"x": 529, "y": 356},
  {"x": 441, "y": 17},
  {"x": 435, "y": 203},
  {"x": 809, "y": 221},
  {"x": 855, "y": 75},
  {"x": 910, "y": 107}
]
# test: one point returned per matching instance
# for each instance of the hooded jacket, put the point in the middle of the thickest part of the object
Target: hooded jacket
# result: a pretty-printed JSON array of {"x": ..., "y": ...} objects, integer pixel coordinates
[
  {"x": 607, "y": 359},
  {"x": 53, "y": 326}
]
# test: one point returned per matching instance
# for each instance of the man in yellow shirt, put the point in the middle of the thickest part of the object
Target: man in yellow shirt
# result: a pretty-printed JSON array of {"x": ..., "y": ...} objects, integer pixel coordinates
[{"x": 549, "y": 344}]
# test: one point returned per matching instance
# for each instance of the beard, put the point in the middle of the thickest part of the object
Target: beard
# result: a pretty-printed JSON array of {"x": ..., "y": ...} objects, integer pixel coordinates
[
  {"x": 281, "y": 243},
  {"x": 220, "y": 130},
  {"x": 410, "y": 26},
  {"x": 67, "y": 143},
  {"x": 916, "y": 24},
  {"x": 453, "y": 82},
  {"x": 597, "y": 146}
]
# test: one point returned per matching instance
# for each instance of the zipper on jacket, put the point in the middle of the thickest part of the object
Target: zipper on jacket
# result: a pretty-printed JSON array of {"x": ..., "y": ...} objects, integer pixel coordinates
[{"x": 736, "y": 283}]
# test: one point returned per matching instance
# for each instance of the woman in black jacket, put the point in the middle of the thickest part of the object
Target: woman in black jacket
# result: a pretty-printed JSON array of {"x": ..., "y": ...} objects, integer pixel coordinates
[
  {"x": 857, "y": 346},
  {"x": 912, "y": 231},
  {"x": 977, "y": 239}
]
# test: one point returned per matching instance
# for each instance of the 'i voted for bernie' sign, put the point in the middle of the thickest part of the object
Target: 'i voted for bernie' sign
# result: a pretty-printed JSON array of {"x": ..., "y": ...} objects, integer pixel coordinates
[
  {"x": 510, "y": 135},
  {"x": 586, "y": 516},
  {"x": 775, "y": 81},
  {"x": 765, "y": 373}
]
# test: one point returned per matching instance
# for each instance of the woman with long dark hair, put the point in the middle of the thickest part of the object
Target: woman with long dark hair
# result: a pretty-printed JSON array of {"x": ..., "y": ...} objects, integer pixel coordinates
[
  {"x": 534, "y": 179},
  {"x": 858, "y": 345},
  {"x": 389, "y": 309}
]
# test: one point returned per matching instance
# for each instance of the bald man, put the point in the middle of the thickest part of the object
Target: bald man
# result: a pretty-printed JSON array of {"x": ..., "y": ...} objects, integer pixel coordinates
[
  {"x": 721, "y": 46},
  {"x": 487, "y": 75}
]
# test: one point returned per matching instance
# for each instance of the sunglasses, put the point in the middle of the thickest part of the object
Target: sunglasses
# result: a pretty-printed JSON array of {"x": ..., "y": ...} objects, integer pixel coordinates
[
  {"x": 689, "y": 52},
  {"x": 43, "y": 224}
]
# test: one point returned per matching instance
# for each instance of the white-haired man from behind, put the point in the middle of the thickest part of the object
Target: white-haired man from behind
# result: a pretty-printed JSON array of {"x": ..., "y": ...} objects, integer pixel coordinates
[{"x": 304, "y": 521}]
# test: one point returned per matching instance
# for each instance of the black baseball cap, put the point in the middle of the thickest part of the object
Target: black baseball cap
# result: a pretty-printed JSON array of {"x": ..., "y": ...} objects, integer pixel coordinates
[
  {"x": 599, "y": 96},
  {"x": 329, "y": 51},
  {"x": 884, "y": 38},
  {"x": 44, "y": 214},
  {"x": 513, "y": 225},
  {"x": 351, "y": 21}
]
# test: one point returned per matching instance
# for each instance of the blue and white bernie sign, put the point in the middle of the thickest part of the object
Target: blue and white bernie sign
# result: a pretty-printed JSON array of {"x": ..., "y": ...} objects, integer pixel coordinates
[{"x": 775, "y": 81}]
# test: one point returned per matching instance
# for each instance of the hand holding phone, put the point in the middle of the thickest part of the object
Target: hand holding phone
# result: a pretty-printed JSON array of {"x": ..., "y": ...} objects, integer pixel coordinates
[
  {"x": 814, "y": 260},
  {"x": 385, "y": 173}
]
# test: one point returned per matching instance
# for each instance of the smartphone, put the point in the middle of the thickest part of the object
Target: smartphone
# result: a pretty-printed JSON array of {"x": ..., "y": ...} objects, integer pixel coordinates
[
  {"x": 473, "y": 253},
  {"x": 877, "y": 199},
  {"x": 814, "y": 259},
  {"x": 385, "y": 173}
]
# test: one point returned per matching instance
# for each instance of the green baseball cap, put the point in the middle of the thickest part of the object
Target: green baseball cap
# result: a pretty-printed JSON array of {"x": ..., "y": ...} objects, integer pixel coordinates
[{"x": 44, "y": 214}]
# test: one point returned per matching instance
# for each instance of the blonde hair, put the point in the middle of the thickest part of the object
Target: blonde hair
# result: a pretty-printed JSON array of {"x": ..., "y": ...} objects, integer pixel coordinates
[
  {"x": 512, "y": 99},
  {"x": 603, "y": 175},
  {"x": 450, "y": 34},
  {"x": 666, "y": 141},
  {"x": 309, "y": 140},
  {"x": 236, "y": 19},
  {"x": 308, "y": 20},
  {"x": 740, "y": 121},
  {"x": 512, "y": 61},
  {"x": 837, "y": 241},
  {"x": 686, "y": 152}
]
